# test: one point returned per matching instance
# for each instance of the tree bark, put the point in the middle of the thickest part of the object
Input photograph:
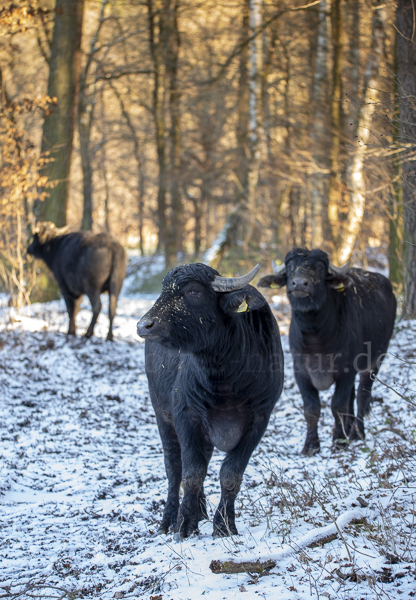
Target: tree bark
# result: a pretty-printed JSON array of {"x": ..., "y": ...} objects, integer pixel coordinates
[
  {"x": 319, "y": 128},
  {"x": 58, "y": 127},
  {"x": 395, "y": 210},
  {"x": 257, "y": 145},
  {"x": 156, "y": 34},
  {"x": 335, "y": 184},
  {"x": 406, "y": 71},
  {"x": 174, "y": 244},
  {"x": 355, "y": 169}
]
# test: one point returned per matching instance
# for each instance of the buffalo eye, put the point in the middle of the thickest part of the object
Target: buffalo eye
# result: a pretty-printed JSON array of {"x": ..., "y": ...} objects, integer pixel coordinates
[{"x": 193, "y": 293}]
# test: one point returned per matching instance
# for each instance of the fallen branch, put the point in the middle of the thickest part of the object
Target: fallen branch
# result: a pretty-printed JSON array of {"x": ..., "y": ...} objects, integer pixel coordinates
[{"x": 316, "y": 537}]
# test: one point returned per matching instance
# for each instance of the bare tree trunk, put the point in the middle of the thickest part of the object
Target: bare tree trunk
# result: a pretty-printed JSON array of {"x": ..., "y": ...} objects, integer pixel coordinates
[
  {"x": 58, "y": 127},
  {"x": 174, "y": 244},
  {"x": 156, "y": 34},
  {"x": 319, "y": 128},
  {"x": 406, "y": 63},
  {"x": 85, "y": 113},
  {"x": 104, "y": 166},
  {"x": 257, "y": 149},
  {"x": 335, "y": 184},
  {"x": 395, "y": 211},
  {"x": 138, "y": 157},
  {"x": 217, "y": 248},
  {"x": 353, "y": 16},
  {"x": 355, "y": 169},
  {"x": 84, "y": 130},
  {"x": 243, "y": 104}
]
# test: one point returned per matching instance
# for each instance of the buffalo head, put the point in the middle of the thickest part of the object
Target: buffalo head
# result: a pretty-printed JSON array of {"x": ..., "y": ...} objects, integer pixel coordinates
[
  {"x": 43, "y": 232},
  {"x": 194, "y": 300},
  {"x": 307, "y": 274}
]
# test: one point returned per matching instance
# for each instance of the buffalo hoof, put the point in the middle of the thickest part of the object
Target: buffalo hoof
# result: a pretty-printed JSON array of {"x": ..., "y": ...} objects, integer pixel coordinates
[
  {"x": 311, "y": 449},
  {"x": 222, "y": 530},
  {"x": 357, "y": 432},
  {"x": 187, "y": 522},
  {"x": 340, "y": 444},
  {"x": 224, "y": 524},
  {"x": 202, "y": 507},
  {"x": 88, "y": 335}
]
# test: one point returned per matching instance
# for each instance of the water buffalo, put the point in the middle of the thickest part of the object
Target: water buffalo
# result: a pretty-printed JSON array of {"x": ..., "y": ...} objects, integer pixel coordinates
[
  {"x": 342, "y": 321},
  {"x": 215, "y": 368},
  {"x": 82, "y": 263}
]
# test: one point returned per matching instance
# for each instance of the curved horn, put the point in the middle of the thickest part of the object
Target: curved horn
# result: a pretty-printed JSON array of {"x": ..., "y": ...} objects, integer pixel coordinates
[
  {"x": 229, "y": 284},
  {"x": 333, "y": 270},
  {"x": 278, "y": 269}
]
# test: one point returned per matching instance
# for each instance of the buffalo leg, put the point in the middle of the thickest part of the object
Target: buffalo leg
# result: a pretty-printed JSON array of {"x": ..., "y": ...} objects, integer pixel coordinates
[
  {"x": 363, "y": 405},
  {"x": 231, "y": 476},
  {"x": 196, "y": 452},
  {"x": 72, "y": 306},
  {"x": 173, "y": 466},
  {"x": 95, "y": 300},
  {"x": 312, "y": 411},
  {"x": 112, "y": 305},
  {"x": 341, "y": 409}
]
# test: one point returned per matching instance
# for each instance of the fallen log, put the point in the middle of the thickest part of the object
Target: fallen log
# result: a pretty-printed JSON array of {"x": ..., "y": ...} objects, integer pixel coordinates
[
  {"x": 316, "y": 537},
  {"x": 251, "y": 566}
]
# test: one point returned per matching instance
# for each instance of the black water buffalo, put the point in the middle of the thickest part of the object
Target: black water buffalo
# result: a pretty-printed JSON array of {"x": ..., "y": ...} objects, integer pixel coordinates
[
  {"x": 82, "y": 263},
  {"x": 215, "y": 368},
  {"x": 342, "y": 321}
]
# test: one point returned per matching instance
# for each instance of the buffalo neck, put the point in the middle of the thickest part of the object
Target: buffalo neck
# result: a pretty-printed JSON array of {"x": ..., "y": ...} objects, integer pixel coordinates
[
  {"x": 49, "y": 251},
  {"x": 322, "y": 322}
]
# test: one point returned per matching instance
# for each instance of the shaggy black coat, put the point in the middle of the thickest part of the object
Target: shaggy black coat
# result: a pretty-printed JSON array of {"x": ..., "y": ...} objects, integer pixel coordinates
[
  {"x": 215, "y": 374},
  {"x": 82, "y": 263},
  {"x": 341, "y": 325}
]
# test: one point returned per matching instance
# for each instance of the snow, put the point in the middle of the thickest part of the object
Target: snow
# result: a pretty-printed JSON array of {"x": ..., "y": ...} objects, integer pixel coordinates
[{"x": 82, "y": 482}]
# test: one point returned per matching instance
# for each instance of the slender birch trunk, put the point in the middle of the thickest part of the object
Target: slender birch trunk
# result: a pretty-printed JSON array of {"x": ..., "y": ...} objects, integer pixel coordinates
[{"x": 355, "y": 169}]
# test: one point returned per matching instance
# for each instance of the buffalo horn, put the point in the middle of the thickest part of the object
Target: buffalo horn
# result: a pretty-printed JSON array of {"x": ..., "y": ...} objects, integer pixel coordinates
[
  {"x": 332, "y": 270},
  {"x": 278, "y": 269},
  {"x": 229, "y": 284}
]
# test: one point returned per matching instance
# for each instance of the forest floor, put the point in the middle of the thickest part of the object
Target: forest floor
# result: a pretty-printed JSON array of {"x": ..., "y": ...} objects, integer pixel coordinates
[{"x": 82, "y": 481}]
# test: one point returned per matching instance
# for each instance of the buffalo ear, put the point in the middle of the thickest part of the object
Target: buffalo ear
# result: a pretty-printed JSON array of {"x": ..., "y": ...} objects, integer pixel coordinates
[
  {"x": 339, "y": 282},
  {"x": 273, "y": 281},
  {"x": 241, "y": 301}
]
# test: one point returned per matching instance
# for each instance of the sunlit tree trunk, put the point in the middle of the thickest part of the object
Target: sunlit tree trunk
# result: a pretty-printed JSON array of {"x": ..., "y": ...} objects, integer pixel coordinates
[
  {"x": 320, "y": 128},
  {"x": 355, "y": 169},
  {"x": 406, "y": 71},
  {"x": 335, "y": 184},
  {"x": 58, "y": 127}
]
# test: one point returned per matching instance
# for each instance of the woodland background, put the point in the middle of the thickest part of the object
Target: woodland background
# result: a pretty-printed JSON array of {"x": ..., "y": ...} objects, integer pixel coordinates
[{"x": 224, "y": 132}]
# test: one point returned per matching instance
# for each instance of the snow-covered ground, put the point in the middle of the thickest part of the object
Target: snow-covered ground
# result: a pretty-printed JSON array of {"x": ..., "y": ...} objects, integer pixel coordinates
[{"x": 83, "y": 485}]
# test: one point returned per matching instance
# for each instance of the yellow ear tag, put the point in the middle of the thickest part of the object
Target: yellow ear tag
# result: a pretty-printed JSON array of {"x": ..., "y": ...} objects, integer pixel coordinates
[
  {"x": 243, "y": 306},
  {"x": 340, "y": 287},
  {"x": 274, "y": 286}
]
